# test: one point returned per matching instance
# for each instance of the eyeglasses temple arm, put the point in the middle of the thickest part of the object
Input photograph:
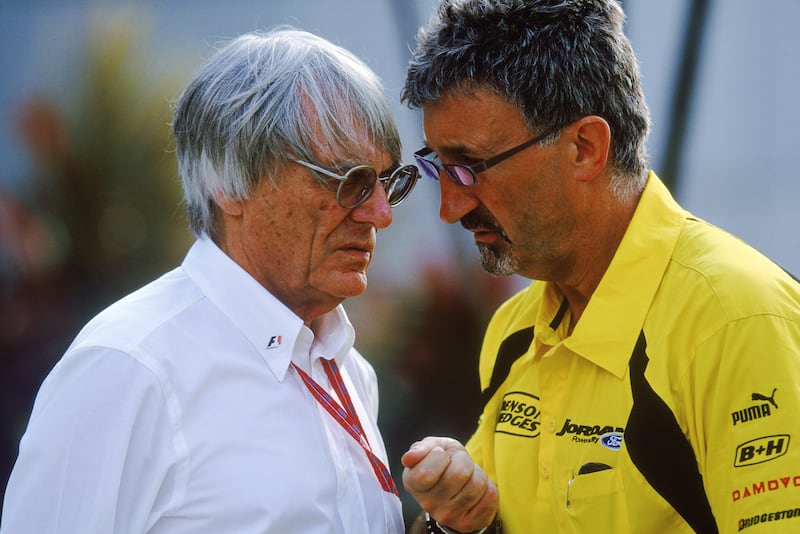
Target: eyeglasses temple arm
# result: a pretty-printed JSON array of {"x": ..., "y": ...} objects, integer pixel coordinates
[
  {"x": 491, "y": 162},
  {"x": 320, "y": 170}
]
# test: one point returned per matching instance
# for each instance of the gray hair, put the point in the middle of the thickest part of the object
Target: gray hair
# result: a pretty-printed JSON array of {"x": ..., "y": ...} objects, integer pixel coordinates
[
  {"x": 556, "y": 60},
  {"x": 264, "y": 98}
]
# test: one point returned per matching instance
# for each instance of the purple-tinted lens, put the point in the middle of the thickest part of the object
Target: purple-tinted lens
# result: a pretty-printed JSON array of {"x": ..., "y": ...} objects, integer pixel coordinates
[
  {"x": 429, "y": 168},
  {"x": 460, "y": 174}
]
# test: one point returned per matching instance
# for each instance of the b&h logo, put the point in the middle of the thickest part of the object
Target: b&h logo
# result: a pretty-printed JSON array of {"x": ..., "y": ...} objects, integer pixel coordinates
[{"x": 761, "y": 450}]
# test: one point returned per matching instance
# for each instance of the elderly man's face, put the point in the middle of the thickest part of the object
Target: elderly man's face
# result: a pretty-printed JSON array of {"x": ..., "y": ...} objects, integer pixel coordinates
[{"x": 300, "y": 244}]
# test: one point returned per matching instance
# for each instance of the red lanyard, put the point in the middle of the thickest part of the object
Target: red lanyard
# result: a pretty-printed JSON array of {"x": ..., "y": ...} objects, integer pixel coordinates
[{"x": 346, "y": 417}]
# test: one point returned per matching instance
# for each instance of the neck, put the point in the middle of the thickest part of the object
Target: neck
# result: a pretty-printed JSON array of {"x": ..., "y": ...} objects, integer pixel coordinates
[{"x": 595, "y": 249}]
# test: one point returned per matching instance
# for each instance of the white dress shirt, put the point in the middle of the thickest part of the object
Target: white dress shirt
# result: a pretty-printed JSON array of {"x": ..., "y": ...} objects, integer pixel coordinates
[{"x": 176, "y": 410}]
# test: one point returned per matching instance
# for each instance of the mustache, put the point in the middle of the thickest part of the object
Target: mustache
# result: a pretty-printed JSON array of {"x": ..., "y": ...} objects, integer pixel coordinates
[{"x": 477, "y": 219}]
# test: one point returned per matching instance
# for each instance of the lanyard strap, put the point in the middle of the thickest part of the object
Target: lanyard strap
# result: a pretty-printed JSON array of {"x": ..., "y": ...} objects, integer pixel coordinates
[{"x": 346, "y": 417}]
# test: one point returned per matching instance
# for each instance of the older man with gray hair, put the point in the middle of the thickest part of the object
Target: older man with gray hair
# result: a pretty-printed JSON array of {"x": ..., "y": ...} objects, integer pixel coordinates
[{"x": 226, "y": 396}]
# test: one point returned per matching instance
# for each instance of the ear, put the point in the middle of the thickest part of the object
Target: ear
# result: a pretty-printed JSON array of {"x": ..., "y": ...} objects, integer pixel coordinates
[
  {"x": 228, "y": 205},
  {"x": 591, "y": 136}
]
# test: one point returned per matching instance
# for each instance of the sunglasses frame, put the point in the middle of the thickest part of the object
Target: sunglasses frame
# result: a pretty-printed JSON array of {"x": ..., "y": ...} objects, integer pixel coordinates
[
  {"x": 387, "y": 182},
  {"x": 422, "y": 157}
]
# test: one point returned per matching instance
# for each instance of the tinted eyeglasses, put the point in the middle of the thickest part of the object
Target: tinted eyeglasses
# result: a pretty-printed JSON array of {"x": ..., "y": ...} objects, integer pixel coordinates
[
  {"x": 466, "y": 175},
  {"x": 358, "y": 183}
]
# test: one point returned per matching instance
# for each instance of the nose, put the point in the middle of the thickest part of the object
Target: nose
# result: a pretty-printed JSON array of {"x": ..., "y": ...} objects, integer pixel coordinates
[
  {"x": 456, "y": 200},
  {"x": 374, "y": 210}
]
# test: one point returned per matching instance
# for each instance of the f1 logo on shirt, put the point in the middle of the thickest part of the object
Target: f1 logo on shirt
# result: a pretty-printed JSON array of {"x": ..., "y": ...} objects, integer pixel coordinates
[
  {"x": 274, "y": 342},
  {"x": 761, "y": 450}
]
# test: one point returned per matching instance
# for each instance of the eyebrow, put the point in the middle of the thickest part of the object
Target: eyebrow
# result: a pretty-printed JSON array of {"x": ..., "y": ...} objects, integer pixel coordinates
[
  {"x": 460, "y": 153},
  {"x": 389, "y": 170},
  {"x": 459, "y": 149}
]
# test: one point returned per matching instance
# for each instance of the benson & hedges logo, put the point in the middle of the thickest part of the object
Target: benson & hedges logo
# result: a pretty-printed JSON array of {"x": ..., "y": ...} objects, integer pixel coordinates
[{"x": 519, "y": 415}]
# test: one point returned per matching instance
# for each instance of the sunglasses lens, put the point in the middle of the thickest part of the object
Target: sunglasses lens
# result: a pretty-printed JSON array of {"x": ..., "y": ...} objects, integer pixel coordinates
[
  {"x": 460, "y": 175},
  {"x": 358, "y": 186},
  {"x": 400, "y": 184},
  {"x": 428, "y": 167}
]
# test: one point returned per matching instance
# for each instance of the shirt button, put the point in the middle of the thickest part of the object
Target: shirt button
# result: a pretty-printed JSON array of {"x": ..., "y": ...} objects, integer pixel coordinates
[
  {"x": 551, "y": 425},
  {"x": 545, "y": 472}
]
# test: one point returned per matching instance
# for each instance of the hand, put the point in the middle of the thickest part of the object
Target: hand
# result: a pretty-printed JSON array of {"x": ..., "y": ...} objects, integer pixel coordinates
[{"x": 447, "y": 484}]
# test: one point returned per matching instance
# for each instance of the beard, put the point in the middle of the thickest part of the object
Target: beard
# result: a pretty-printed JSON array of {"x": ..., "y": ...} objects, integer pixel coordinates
[
  {"x": 496, "y": 261},
  {"x": 497, "y": 258}
]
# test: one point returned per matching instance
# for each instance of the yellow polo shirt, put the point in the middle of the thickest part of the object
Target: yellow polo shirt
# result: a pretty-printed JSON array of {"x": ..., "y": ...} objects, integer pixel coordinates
[{"x": 673, "y": 407}]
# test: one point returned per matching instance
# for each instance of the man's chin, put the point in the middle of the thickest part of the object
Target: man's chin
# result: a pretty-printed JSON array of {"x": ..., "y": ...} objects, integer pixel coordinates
[
  {"x": 496, "y": 262},
  {"x": 348, "y": 284}
]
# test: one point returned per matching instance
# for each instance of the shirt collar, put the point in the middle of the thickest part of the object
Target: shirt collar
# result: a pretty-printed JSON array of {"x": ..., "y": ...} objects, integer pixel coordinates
[
  {"x": 610, "y": 325},
  {"x": 334, "y": 336},
  {"x": 274, "y": 330}
]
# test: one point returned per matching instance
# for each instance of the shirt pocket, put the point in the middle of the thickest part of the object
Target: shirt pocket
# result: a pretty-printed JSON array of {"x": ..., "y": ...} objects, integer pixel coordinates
[{"x": 595, "y": 502}]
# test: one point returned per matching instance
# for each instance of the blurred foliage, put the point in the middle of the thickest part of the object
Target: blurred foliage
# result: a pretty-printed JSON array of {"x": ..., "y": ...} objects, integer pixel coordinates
[
  {"x": 104, "y": 215},
  {"x": 119, "y": 196}
]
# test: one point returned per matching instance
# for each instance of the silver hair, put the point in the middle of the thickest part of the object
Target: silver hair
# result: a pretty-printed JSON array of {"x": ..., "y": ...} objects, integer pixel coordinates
[
  {"x": 556, "y": 60},
  {"x": 265, "y": 97}
]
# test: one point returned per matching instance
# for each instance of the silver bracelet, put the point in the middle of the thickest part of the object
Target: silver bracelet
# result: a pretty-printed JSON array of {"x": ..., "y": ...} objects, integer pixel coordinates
[{"x": 434, "y": 527}]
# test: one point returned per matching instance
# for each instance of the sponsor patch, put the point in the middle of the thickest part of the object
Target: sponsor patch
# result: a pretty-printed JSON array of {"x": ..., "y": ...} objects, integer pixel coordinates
[
  {"x": 768, "y": 517},
  {"x": 581, "y": 433},
  {"x": 519, "y": 415},
  {"x": 752, "y": 413},
  {"x": 763, "y": 487},
  {"x": 760, "y": 450},
  {"x": 611, "y": 440}
]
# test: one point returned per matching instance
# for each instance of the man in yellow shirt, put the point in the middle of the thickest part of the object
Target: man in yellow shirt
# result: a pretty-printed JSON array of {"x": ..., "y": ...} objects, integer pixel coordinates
[{"x": 648, "y": 380}]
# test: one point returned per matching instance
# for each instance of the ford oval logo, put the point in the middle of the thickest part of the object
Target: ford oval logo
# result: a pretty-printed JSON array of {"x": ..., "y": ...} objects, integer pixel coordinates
[{"x": 611, "y": 440}]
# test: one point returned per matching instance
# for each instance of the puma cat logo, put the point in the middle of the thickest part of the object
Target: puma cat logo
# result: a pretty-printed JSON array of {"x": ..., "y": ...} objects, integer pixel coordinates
[
  {"x": 770, "y": 399},
  {"x": 757, "y": 411}
]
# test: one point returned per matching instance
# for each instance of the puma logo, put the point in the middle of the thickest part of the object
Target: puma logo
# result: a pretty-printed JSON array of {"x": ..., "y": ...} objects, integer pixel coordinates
[{"x": 770, "y": 399}]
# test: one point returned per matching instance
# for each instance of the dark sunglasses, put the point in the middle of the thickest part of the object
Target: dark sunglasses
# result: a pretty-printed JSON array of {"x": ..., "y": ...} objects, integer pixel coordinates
[
  {"x": 466, "y": 175},
  {"x": 358, "y": 183}
]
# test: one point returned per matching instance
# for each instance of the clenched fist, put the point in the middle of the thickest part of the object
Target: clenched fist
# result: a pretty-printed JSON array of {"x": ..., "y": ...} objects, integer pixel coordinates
[{"x": 440, "y": 474}]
